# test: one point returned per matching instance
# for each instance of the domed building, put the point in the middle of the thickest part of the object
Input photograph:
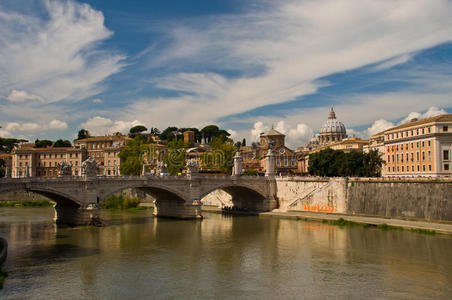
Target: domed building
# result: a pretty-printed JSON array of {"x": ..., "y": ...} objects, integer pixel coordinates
[{"x": 332, "y": 131}]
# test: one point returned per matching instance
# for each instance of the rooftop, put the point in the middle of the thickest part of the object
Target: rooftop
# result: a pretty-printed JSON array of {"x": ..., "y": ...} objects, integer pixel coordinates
[{"x": 440, "y": 118}]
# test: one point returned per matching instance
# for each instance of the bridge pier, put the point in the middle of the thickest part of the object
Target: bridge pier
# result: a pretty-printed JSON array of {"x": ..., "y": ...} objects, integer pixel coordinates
[
  {"x": 76, "y": 216},
  {"x": 176, "y": 209}
]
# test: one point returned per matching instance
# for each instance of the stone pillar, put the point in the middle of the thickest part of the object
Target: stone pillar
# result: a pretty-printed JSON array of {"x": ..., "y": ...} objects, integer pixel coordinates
[
  {"x": 270, "y": 164},
  {"x": 237, "y": 171},
  {"x": 179, "y": 210},
  {"x": 7, "y": 172},
  {"x": 76, "y": 216}
]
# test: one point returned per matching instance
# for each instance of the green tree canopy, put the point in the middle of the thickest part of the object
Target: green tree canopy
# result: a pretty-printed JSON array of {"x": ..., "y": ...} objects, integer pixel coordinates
[
  {"x": 222, "y": 156},
  {"x": 7, "y": 144},
  {"x": 131, "y": 157},
  {"x": 42, "y": 143},
  {"x": 170, "y": 133},
  {"x": 83, "y": 134},
  {"x": 60, "y": 143},
  {"x": 138, "y": 129},
  {"x": 175, "y": 158},
  {"x": 332, "y": 163}
]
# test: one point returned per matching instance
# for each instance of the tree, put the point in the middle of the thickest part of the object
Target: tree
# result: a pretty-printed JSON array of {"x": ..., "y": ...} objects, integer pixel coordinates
[
  {"x": 244, "y": 142},
  {"x": 131, "y": 157},
  {"x": 2, "y": 168},
  {"x": 212, "y": 131},
  {"x": 155, "y": 131},
  {"x": 83, "y": 134},
  {"x": 169, "y": 133},
  {"x": 222, "y": 156},
  {"x": 60, "y": 143},
  {"x": 331, "y": 162},
  {"x": 7, "y": 144},
  {"x": 138, "y": 129},
  {"x": 175, "y": 158},
  {"x": 42, "y": 143}
]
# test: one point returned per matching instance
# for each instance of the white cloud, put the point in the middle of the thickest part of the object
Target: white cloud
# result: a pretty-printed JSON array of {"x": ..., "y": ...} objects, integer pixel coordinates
[
  {"x": 398, "y": 60},
  {"x": 283, "y": 49},
  {"x": 97, "y": 100},
  {"x": 22, "y": 96},
  {"x": 379, "y": 126},
  {"x": 258, "y": 128},
  {"x": 57, "y": 57},
  {"x": 296, "y": 135},
  {"x": 21, "y": 127},
  {"x": 101, "y": 126},
  {"x": 431, "y": 112},
  {"x": 233, "y": 134},
  {"x": 57, "y": 124}
]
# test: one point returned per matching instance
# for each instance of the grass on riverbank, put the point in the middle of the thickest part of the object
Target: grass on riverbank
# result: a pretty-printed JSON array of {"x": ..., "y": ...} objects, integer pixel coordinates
[
  {"x": 37, "y": 203},
  {"x": 342, "y": 222},
  {"x": 121, "y": 202}
]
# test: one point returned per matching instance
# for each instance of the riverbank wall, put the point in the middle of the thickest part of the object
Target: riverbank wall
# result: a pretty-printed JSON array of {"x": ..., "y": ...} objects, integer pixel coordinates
[{"x": 404, "y": 198}]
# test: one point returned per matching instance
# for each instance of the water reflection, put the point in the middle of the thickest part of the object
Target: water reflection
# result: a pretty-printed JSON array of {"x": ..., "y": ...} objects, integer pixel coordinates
[{"x": 138, "y": 256}]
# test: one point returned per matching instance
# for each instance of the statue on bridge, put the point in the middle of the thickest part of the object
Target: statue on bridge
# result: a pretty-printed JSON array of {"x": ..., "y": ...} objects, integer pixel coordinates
[
  {"x": 192, "y": 167},
  {"x": 89, "y": 167},
  {"x": 64, "y": 169}
]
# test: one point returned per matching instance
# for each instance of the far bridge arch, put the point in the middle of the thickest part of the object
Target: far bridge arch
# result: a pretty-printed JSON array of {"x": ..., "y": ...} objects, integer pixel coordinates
[
  {"x": 242, "y": 196},
  {"x": 66, "y": 205}
]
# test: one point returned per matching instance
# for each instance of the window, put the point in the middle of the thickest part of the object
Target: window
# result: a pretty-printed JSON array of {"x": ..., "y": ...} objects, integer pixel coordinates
[
  {"x": 423, "y": 144},
  {"x": 278, "y": 162},
  {"x": 417, "y": 131},
  {"x": 446, "y": 167},
  {"x": 446, "y": 155},
  {"x": 44, "y": 164},
  {"x": 70, "y": 155},
  {"x": 412, "y": 145},
  {"x": 55, "y": 164},
  {"x": 389, "y": 169},
  {"x": 445, "y": 128},
  {"x": 418, "y": 168},
  {"x": 412, "y": 156},
  {"x": 20, "y": 156},
  {"x": 417, "y": 145},
  {"x": 389, "y": 158},
  {"x": 20, "y": 164},
  {"x": 407, "y": 157},
  {"x": 429, "y": 143},
  {"x": 423, "y": 156},
  {"x": 393, "y": 169},
  {"x": 403, "y": 169},
  {"x": 430, "y": 168},
  {"x": 423, "y": 168},
  {"x": 417, "y": 156},
  {"x": 44, "y": 156},
  {"x": 429, "y": 155},
  {"x": 412, "y": 168},
  {"x": 397, "y": 158},
  {"x": 422, "y": 130},
  {"x": 76, "y": 155},
  {"x": 393, "y": 158},
  {"x": 429, "y": 130},
  {"x": 401, "y": 147},
  {"x": 76, "y": 162}
]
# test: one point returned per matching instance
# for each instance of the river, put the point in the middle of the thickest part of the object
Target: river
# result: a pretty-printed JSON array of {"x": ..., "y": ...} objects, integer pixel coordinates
[{"x": 243, "y": 257}]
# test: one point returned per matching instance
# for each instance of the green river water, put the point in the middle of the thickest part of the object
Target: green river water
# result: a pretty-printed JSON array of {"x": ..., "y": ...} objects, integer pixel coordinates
[{"x": 221, "y": 257}]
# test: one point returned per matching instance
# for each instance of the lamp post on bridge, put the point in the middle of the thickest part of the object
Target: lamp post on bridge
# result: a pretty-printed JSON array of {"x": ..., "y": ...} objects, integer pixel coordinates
[{"x": 237, "y": 169}]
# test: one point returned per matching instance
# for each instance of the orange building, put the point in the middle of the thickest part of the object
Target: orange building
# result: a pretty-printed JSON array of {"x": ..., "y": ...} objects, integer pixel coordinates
[{"x": 419, "y": 148}]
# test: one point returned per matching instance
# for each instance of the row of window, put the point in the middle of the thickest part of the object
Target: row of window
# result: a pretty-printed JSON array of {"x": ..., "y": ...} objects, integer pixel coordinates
[
  {"x": 413, "y": 132},
  {"x": 286, "y": 162},
  {"x": 61, "y": 155},
  {"x": 396, "y": 158},
  {"x": 406, "y": 146},
  {"x": 407, "y": 168}
]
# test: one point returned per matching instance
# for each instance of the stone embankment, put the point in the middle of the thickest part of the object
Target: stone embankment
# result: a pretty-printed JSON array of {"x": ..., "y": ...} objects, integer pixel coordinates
[{"x": 414, "y": 198}]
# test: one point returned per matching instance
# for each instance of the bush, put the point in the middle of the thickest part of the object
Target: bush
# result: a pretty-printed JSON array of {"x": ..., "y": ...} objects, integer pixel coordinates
[
  {"x": 120, "y": 202},
  {"x": 250, "y": 172}
]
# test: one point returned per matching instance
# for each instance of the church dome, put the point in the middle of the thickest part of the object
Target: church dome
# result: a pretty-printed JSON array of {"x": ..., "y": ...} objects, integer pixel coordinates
[{"x": 332, "y": 125}]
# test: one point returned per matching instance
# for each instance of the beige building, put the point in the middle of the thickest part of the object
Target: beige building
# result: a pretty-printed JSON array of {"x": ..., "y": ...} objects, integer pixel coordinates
[
  {"x": 28, "y": 161},
  {"x": 419, "y": 148},
  {"x": 42, "y": 162}
]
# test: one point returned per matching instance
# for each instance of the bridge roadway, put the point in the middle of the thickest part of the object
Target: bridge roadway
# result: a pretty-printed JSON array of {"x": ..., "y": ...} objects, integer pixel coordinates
[{"x": 77, "y": 198}]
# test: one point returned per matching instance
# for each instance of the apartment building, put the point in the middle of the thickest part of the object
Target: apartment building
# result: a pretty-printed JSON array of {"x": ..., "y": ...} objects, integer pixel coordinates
[{"x": 419, "y": 148}]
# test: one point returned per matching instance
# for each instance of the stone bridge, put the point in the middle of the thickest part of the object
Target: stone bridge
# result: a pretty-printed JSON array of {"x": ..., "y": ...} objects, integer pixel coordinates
[{"x": 77, "y": 198}]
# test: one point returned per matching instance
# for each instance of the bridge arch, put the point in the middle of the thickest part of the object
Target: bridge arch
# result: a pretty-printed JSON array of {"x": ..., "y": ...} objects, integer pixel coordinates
[
  {"x": 243, "y": 196},
  {"x": 59, "y": 197},
  {"x": 159, "y": 192}
]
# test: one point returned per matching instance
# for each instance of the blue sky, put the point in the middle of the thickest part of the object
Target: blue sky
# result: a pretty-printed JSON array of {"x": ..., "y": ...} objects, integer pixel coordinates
[{"x": 244, "y": 65}]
